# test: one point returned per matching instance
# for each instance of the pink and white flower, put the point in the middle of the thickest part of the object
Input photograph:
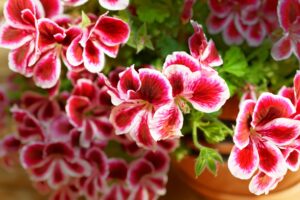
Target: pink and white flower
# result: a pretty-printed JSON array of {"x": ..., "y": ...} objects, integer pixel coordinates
[
  {"x": 262, "y": 129},
  {"x": 147, "y": 177},
  {"x": 200, "y": 86},
  {"x": 144, "y": 107},
  {"x": 102, "y": 37},
  {"x": 88, "y": 111},
  {"x": 74, "y": 2},
  {"x": 53, "y": 162},
  {"x": 201, "y": 49},
  {"x": 289, "y": 19}
]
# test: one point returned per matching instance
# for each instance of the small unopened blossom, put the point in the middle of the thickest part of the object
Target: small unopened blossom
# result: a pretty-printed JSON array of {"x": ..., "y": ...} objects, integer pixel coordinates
[
  {"x": 263, "y": 128},
  {"x": 187, "y": 11}
]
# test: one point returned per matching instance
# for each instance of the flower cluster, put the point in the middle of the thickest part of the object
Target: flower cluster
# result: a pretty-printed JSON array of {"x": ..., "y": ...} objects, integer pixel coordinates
[
  {"x": 39, "y": 35},
  {"x": 149, "y": 104},
  {"x": 239, "y": 20},
  {"x": 267, "y": 139}
]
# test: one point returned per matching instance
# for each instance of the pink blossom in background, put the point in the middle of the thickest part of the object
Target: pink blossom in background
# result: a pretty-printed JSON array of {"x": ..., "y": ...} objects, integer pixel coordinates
[
  {"x": 289, "y": 19},
  {"x": 250, "y": 20},
  {"x": 263, "y": 129}
]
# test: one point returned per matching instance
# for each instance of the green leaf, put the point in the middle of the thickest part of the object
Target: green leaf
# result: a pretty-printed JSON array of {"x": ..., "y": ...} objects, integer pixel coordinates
[
  {"x": 85, "y": 20},
  {"x": 199, "y": 165},
  {"x": 235, "y": 62},
  {"x": 150, "y": 12},
  {"x": 207, "y": 158}
]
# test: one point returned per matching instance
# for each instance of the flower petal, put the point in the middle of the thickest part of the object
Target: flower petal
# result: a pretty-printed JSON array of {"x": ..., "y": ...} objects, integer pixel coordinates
[
  {"x": 297, "y": 85},
  {"x": 271, "y": 160},
  {"x": 74, "y": 52},
  {"x": 75, "y": 108},
  {"x": 288, "y": 92},
  {"x": 159, "y": 159},
  {"x": 166, "y": 123},
  {"x": 293, "y": 160},
  {"x": 182, "y": 58},
  {"x": 13, "y": 13},
  {"x": 32, "y": 155},
  {"x": 231, "y": 34},
  {"x": 93, "y": 57},
  {"x": 155, "y": 87},
  {"x": 243, "y": 124},
  {"x": 59, "y": 149},
  {"x": 47, "y": 70},
  {"x": 49, "y": 33},
  {"x": 280, "y": 131},
  {"x": 85, "y": 88},
  {"x": 216, "y": 25},
  {"x": 114, "y": 4},
  {"x": 125, "y": 116},
  {"x": 261, "y": 183},
  {"x": 211, "y": 56},
  {"x": 18, "y": 59},
  {"x": 220, "y": 8},
  {"x": 207, "y": 93},
  {"x": 269, "y": 107},
  {"x": 288, "y": 11},
  {"x": 58, "y": 176},
  {"x": 129, "y": 81},
  {"x": 242, "y": 163},
  {"x": 138, "y": 170},
  {"x": 13, "y": 38},
  {"x": 52, "y": 8},
  {"x": 118, "y": 169},
  {"x": 112, "y": 31},
  {"x": 255, "y": 34},
  {"x": 282, "y": 49}
]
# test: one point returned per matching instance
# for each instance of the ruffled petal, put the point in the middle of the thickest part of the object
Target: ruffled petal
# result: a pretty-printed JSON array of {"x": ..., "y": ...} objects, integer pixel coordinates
[
  {"x": 74, "y": 52},
  {"x": 118, "y": 169},
  {"x": 32, "y": 155},
  {"x": 287, "y": 11},
  {"x": 231, "y": 34},
  {"x": 13, "y": 10},
  {"x": 166, "y": 123},
  {"x": 138, "y": 170},
  {"x": 47, "y": 70},
  {"x": 261, "y": 183},
  {"x": 255, "y": 34},
  {"x": 182, "y": 58},
  {"x": 59, "y": 149},
  {"x": 142, "y": 134},
  {"x": 52, "y": 8},
  {"x": 155, "y": 88},
  {"x": 13, "y": 38},
  {"x": 129, "y": 81},
  {"x": 211, "y": 56},
  {"x": 297, "y": 85},
  {"x": 207, "y": 93},
  {"x": 85, "y": 88},
  {"x": 280, "y": 131},
  {"x": 242, "y": 163},
  {"x": 288, "y": 92},
  {"x": 125, "y": 116},
  {"x": 98, "y": 160},
  {"x": 271, "y": 160},
  {"x": 282, "y": 49},
  {"x": 75, "y": 108},
  {"x": 159, "y": 159},
  {"x": 269, "y": 107},
  {"x": 220, "y": 8},
  {"x": 112, "y": 31},
  {"x": 93, "y": 58},
  {"x": 243, "y": 124},
  {"x": 114, "y": 4},
  {"x": 216, "y": 25}
]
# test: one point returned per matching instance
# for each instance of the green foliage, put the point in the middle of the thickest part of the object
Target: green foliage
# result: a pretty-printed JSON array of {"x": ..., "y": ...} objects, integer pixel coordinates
[
  {"x": 207, "y": 158},
  {"x": 149, "y": 11},
  {"x": 85, "y": 20}
]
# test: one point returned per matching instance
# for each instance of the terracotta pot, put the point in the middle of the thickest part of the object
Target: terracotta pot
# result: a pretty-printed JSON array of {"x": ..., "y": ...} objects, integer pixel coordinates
[{"x": 226, "y": 187}]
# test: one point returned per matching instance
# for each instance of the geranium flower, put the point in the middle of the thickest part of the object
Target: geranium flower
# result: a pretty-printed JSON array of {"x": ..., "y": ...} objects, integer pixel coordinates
[
  {"x": 114, "y": 4},
  {"x": 70, "y": 191},
  {"x": 104, "y": 36},
  {"x": 262, "y": 128},
  {"x": 289, "y": 20},
  {"x": 202, "y": 87},
  {"x": 201, "y": 49},
  {"x": 116, "y": 180},
  {"x": 147, "y": 177},
  {"x": 42, "y": 107},
  {"x": 225, "y": 17},
  {"x": 74, "y": 2},
  {"x": 96, "y": 181},
  {"x": 144, "y": 100},
  {"x": 88, "y": 111},
  {"x": 260, "y": 19},
  {"x": 20, "y": 33},
  {"x": 54, "y": 162}
]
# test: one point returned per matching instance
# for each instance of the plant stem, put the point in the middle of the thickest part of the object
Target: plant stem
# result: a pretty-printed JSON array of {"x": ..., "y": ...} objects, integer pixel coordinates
[{"x": 195, "y": 136}]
